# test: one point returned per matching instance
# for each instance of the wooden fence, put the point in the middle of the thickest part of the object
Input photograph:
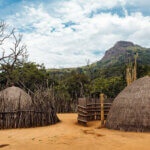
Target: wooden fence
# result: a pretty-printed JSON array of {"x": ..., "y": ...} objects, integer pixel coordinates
[
  {"x": 26, "y": 119},
  {"x": 90, "y": 109}
]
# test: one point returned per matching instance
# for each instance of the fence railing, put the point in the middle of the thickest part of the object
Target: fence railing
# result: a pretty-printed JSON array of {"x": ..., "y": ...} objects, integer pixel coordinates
[
  {"x": 25, "y": 119},
  {"x": 90, "y": 109}
]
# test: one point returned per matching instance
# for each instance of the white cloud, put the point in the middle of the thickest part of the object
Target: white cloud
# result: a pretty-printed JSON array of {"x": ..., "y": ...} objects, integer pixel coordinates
[
  {"x": 138, "y": 3},
  {"x": 68, "y": 48}
]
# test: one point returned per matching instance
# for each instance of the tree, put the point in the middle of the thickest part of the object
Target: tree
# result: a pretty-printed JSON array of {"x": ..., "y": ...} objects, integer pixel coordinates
[
  {"x": 16, "y": 53},
  {"x": 3, "y": 36},
  {"x": 31, "y": 75},
  {"x": 110, "y": 86}
]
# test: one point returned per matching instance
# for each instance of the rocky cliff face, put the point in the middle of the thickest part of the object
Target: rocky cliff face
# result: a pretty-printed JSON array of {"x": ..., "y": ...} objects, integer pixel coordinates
[{"x": 118, "y": 49}]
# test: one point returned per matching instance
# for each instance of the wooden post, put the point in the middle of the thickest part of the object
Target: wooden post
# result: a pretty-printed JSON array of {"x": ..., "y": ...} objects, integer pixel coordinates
[
  {"x": 131, "y": 72},
  {"x": 127, "y": 76},
  {"x": 135, "y": 67},
  {"x": 102, "y": 109}
]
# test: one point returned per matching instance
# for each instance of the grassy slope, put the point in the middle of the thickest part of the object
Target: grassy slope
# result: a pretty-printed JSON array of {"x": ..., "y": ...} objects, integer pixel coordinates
[{"x": 144, "y": 58}]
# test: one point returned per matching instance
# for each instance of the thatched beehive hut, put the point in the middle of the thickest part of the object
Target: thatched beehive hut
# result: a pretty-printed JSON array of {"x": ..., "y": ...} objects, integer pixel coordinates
[
  {"x": 131, "y": 108},
  {"x": 14, "y": 98},
  {"x": 19, "y": 110}
]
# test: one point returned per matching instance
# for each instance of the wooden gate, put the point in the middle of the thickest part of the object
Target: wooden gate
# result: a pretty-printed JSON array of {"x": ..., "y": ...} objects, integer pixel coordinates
[{"x": 89, "y": 109}]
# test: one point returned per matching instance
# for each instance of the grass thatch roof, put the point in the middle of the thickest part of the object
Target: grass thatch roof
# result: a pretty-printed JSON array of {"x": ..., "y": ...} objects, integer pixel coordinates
[
  {"x": 14, "y": 97},
  {"x": 131, "y": 108}
]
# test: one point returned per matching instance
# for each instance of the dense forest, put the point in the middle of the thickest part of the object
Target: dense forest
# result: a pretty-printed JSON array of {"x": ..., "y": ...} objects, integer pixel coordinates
[{"x": 65, "y": 86}]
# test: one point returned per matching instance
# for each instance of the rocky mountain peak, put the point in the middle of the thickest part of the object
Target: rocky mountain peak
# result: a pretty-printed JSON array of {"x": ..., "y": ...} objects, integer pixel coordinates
[
  {"x": 123, "y": 44},
  {"x": 118, "y": 49}
]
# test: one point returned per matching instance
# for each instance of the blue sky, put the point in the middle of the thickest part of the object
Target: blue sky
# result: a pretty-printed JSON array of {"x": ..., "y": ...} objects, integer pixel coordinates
[{"x": 67, "y": 33}]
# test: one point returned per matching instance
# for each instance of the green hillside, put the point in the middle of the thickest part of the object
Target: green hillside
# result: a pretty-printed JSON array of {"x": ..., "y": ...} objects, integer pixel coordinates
[{"x": 122, "y": 53}]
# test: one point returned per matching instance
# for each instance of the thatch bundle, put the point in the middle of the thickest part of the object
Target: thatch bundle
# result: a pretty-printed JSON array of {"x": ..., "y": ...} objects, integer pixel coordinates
[
  {"x": 19, "y": 110},
  {"x": 131, "y": 108}
]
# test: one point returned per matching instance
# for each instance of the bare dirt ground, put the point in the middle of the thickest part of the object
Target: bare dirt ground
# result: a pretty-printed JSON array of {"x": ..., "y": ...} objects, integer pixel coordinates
[{"x": 68, "y": 135}]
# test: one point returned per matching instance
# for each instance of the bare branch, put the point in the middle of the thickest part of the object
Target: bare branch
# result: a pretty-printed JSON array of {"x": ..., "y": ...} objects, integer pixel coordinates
[
  {"x": 17, "y": 53},
  {"x": 3, "y": 34}
]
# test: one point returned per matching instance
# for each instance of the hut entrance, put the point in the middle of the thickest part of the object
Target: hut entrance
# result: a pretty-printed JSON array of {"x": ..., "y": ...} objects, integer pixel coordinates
[{"x": 89, "y": 109}]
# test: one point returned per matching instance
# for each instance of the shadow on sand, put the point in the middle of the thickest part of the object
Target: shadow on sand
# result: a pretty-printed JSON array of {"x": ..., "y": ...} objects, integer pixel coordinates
[{"x": 4, "y": 145}]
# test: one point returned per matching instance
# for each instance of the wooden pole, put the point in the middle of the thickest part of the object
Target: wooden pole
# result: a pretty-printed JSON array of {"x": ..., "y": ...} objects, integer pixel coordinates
[
  {"x": 135, "y": 67},
  {"x": 127, "y": 77},
  {"x": 102, "y": 109}
]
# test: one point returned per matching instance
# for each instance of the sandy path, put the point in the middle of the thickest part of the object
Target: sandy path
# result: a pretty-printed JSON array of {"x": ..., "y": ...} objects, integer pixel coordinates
[{"x": 67, "y": 135}]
